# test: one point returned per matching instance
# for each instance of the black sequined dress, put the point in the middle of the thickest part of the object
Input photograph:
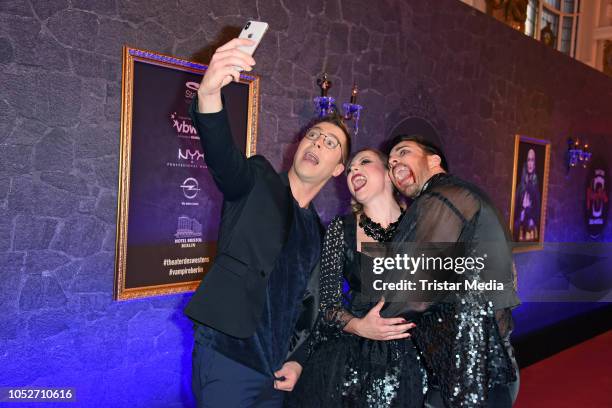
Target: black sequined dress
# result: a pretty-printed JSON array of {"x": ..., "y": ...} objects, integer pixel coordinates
[{"x": 345, "y": 370}]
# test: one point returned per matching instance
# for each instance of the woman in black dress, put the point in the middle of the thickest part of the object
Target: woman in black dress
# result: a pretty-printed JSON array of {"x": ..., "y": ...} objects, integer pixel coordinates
[{"x": 358, "y": 358}]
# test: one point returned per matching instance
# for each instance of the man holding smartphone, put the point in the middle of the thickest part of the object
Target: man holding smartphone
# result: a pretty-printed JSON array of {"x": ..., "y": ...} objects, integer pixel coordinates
[{"x": 257, "y": 304}]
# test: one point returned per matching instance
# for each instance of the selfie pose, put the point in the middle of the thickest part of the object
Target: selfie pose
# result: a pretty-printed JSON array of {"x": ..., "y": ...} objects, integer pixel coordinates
[{"x": 256, "y": 305}]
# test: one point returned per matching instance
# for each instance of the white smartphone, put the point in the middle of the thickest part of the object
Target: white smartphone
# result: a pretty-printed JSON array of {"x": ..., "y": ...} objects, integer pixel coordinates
[{"x": 253, "y": 30}]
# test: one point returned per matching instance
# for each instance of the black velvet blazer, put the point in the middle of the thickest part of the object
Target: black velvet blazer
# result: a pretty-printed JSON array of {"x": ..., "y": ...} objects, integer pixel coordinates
[{"x": 256, "y": 218}]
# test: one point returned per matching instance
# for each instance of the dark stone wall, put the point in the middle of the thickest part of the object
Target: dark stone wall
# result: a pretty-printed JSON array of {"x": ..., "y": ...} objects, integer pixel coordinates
[{"x": 477, "y": 81}]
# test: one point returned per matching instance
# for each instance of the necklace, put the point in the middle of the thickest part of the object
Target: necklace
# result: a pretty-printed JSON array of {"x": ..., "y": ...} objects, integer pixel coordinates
[{"x": 376, "y": 231}]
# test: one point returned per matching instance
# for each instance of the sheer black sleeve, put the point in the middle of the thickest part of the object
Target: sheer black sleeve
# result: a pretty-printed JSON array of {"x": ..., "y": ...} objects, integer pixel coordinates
[
  {"x": 333, "y": 315},
  {"x": 443, "y": 213},
  {"x": 441, "y": 216}
]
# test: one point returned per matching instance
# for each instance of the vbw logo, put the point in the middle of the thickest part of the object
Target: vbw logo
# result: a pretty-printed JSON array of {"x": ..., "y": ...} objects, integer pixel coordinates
[{"x": 182, "y": 126}]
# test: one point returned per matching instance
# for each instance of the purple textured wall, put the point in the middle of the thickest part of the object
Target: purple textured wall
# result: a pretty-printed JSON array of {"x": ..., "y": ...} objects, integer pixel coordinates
[{"x": 476, "y": 80}]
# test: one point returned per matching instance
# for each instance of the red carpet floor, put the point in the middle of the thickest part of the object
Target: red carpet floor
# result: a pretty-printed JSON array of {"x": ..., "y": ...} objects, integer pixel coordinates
[{"x": 580, "y": 376}]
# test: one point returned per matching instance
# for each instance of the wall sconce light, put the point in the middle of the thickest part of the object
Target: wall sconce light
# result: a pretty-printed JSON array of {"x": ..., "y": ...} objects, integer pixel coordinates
[
  {"x": 577, "y": 153},
  {"x": 325, "y": 104}
]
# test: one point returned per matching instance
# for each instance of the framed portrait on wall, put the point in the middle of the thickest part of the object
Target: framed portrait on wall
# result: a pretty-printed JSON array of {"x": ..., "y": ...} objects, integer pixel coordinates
[
  {"x": 529, "y": 193},
  {"x": 168, "y": 209}
]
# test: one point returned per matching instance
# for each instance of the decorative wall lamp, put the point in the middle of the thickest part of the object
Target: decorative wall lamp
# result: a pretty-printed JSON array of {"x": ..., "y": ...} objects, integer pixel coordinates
[
  {"x": 577, "y": 153},
  {"x": 325, "y": 104}
]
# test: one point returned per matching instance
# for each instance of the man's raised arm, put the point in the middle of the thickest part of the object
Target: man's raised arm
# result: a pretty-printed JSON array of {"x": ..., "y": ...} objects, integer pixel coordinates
[{"x": 226, "y": 163}]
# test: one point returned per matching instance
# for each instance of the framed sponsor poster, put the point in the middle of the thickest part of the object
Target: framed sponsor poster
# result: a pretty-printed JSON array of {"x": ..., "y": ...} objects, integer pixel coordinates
[
  {"x": 529, "y": 193},
  {"x": 168, "y": 205}
]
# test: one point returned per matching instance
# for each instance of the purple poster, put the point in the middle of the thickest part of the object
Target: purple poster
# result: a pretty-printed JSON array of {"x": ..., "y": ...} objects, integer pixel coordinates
[{"x": 169, "y": 206}]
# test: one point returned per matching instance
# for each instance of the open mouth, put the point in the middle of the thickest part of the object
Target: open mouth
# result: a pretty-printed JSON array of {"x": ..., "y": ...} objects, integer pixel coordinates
[
  {"x": 311, "y": 157},
  {"x": 358, "y": 181},
  {"x": 403, "y": 175}
]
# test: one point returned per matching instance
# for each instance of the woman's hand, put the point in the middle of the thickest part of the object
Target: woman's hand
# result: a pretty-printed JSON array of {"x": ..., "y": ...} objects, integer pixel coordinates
[{"x": 373, "y": 326}]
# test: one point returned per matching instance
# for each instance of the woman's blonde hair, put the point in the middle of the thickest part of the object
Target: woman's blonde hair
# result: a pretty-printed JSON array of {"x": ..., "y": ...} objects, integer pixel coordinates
[{"x": 356, "y": 207}]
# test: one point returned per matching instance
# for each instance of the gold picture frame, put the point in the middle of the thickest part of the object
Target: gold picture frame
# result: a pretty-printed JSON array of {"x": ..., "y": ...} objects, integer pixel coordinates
[
  {"x": 159, "y": 145},
  {"x": 529, "y": 193}
]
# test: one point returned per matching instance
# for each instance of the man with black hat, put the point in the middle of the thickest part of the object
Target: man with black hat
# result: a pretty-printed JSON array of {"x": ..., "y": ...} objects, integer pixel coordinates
[{"x": 464, "y": 342}]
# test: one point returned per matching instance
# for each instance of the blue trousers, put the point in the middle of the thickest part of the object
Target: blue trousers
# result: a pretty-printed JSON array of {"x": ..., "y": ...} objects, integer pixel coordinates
[{"x": 220, "y": 382}]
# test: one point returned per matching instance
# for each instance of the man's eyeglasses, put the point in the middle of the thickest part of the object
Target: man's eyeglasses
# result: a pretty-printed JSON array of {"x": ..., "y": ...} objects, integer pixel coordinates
[{"x": 329, "y": 141}]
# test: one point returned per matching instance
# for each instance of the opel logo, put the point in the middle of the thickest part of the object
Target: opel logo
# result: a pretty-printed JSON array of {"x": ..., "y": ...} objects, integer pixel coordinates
[{"x": 190, "y": 188}]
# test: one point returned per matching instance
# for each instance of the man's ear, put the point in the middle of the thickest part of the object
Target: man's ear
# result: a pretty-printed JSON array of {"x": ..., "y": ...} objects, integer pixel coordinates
[
  {"x": 338, "y": 170},
  {"x": 433, "y": 160}
]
